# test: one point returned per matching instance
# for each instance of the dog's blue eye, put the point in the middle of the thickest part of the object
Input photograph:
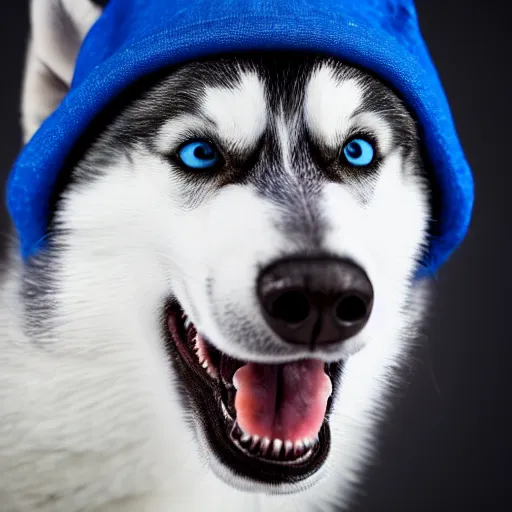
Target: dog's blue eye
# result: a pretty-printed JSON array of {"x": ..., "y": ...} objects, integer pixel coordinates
[
  {"x": 199, "y": 155},
  {"x": 359, "y": 152}
]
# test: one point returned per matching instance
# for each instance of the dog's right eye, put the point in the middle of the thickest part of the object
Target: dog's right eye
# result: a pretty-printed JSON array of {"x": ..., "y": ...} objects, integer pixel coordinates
[
  {"x": 199, "y": 155},
  {"x": 359, "y": 152}
]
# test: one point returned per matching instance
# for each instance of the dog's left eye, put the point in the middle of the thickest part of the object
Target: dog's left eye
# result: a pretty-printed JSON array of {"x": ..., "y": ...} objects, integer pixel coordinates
[
  {"x": 199, "y": 155},
  {"x": 359, "y": 152}
]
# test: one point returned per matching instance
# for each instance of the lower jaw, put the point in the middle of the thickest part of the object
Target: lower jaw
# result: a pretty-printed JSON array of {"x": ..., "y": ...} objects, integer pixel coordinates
[
  {"x": 257, "y": 460},
  {"x": 240, "y": 459}
]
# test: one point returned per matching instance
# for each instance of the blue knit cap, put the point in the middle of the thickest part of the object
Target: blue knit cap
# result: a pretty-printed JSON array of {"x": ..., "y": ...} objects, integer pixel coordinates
[{"x": 133, "y": 38}]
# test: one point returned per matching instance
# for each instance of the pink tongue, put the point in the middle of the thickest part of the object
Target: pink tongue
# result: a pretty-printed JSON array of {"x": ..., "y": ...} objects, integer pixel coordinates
[{"x": 286, "y": 402}]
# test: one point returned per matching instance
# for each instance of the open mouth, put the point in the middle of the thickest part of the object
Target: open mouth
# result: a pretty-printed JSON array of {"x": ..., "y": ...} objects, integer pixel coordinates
[{"x": 267, "y": 422}]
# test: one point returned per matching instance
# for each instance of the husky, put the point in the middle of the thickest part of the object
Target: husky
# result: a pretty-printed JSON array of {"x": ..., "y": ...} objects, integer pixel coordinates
[{"x": 219, "y": 317}]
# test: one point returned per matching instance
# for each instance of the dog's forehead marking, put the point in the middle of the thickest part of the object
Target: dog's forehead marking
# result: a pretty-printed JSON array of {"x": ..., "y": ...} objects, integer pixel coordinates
[
  {"x": 239, "y": 112},
  {"x": 330, "y": 103},
  {"x": 283, "y": 135}
]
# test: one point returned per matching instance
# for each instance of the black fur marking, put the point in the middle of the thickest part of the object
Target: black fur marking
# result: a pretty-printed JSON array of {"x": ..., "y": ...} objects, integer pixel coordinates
[
  {"x": 38, "y": 290},
  {"x": 100, "y": 3},
  {"x": 295, "y": 189},
  {"x": 138, "y": 113}
]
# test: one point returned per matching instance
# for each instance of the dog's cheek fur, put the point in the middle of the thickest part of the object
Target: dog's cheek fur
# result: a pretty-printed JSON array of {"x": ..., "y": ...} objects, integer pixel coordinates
[
  {"x": 219, "y": 265},
  {"x": 173, "y": 244},
  {"x": 90, "y": 411},
  {"x": 386, "y": 235}
]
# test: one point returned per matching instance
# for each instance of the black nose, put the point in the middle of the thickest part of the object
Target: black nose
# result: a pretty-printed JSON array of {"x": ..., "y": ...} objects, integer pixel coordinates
[{"x": 315, "y": 301}]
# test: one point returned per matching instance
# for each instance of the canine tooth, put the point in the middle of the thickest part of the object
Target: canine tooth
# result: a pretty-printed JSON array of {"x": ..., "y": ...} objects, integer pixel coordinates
[
  {"x": 236, "y": 383},
  {"x": 288, "y": 447},
  {"x": 276, "y": 450},
  {"x": 245, "y": 438},
  {"x": 204, "y": 364}
]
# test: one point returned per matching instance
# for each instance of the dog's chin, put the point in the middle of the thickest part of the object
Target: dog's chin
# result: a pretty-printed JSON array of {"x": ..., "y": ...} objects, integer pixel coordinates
[{"x": 263, "y": 426}]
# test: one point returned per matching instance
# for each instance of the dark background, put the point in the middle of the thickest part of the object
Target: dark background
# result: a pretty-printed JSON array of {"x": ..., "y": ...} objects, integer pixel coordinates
[{"x": 447, "y": 446}]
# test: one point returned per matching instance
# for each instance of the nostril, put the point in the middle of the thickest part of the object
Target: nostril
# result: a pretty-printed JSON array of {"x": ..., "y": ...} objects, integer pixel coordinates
[
  {"x": 292, "y": 307},
  {"x": 351, "y": 309}
]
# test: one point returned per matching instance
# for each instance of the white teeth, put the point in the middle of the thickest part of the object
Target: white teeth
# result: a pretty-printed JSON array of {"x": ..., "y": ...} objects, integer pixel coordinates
[
  {"x": 276, "y": 450},
  {"x": 203, "y": 356},
  {"x": 225, "y": 411},
  {"x": 187, "y": 324},
  {"x": 212, "y": 372},
  {"x": 254, "y": 442},
  {"x": 265, "y": 443},
  {"x": 236, "y": 382}
]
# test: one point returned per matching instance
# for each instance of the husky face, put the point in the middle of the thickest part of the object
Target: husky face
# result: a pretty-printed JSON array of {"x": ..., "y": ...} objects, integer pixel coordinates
[
  {"x": 228, "y": 282},
  {"x": 262, "y": 218}
]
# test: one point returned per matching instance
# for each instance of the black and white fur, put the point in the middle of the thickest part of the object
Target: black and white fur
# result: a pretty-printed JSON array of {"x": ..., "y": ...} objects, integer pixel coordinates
[{"x": 92, "y": 416}]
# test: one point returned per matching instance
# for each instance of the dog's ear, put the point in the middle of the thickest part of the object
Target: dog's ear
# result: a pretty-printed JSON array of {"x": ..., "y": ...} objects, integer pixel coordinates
[{"x": 58, "y": 28}]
